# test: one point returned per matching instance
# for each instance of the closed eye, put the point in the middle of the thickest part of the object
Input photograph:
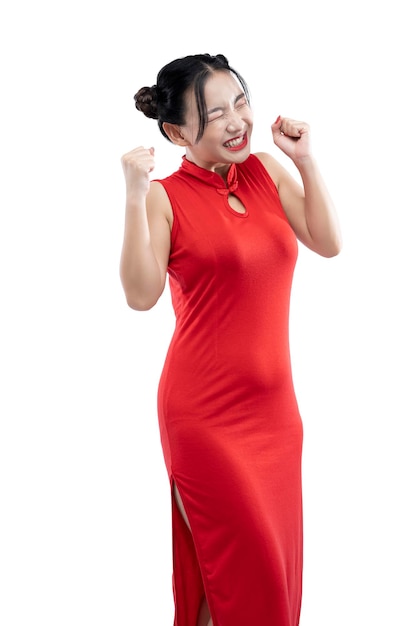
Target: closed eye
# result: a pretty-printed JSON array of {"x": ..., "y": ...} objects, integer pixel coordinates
[
  {"x": 241, "y": 101},
  {"x": 217, "y": 113}
]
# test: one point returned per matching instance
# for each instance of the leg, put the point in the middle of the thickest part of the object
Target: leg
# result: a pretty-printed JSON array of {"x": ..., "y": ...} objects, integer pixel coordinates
[
  {"x": 204, "y": 618},
  {"x": 181, "y": 506}
]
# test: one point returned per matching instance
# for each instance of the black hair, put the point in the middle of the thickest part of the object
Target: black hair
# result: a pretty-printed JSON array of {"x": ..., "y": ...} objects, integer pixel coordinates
[{"x": 165, "y": 101}]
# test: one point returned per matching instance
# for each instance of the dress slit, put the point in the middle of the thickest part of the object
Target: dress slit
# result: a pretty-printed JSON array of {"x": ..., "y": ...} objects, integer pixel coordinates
[{"x": 187, "y": 581}]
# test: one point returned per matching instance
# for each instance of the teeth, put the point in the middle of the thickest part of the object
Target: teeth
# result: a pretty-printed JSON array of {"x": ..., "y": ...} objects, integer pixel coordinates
[{"x": 234, "y": 143}]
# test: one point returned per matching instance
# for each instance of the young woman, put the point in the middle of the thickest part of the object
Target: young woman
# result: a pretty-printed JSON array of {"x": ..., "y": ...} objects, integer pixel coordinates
[{"x": 225, "y": 227}]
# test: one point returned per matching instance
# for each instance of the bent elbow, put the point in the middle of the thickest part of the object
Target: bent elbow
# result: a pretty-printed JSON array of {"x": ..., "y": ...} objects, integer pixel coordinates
[
  {"x": 139, "y": 304},
  {"x": 332, "y": 252},
  {"x": 337, "y": 247},
  {"x": 331, "y": 248},
  {"x": 140, "y": 298}
]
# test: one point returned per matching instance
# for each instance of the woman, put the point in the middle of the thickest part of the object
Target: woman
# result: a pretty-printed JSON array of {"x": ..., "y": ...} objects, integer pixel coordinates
[{"x": 225, "y": 228}]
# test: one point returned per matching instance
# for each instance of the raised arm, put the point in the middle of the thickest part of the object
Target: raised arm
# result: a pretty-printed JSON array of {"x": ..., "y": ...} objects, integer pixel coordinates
[
  {"x": 146, "y": 242},
  {"x": 309, "y": 207}
]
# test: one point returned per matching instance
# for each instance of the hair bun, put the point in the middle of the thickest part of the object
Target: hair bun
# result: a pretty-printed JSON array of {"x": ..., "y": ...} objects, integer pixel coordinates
[
  {"x": 223, "y": 59},
  {"x": 146, "y": 101}
]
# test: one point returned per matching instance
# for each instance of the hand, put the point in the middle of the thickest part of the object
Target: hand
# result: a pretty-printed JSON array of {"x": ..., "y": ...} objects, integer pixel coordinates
[
  {"x": 292, "y": 137},
  {"x": 137, "y": 165}
]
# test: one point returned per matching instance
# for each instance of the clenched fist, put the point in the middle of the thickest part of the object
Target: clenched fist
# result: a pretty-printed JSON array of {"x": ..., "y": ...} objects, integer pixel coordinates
[
  {"x": 292, "y": 137},
  {"x": 137, "y": 165}
]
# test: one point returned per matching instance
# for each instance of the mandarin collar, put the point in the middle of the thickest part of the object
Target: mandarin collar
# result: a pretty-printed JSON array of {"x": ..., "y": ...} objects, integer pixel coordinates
[{"x": 212, "y": 178}]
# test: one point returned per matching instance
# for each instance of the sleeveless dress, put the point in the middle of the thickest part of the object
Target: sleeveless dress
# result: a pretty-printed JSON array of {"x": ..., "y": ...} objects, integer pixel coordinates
[{"x": 230, "y": 426}]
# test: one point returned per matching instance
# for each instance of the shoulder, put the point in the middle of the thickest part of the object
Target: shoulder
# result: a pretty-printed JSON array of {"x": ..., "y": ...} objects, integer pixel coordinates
[
  {"x": 158, "y": 202},
  {"x": 157, "y": 192},
  {"x": 274, "y": 169}
]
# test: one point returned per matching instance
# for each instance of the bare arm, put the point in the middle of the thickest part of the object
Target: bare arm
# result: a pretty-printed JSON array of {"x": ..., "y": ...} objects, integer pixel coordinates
[
  {"x": 309, "y": 207},
  {"x": 146, "y": 242}
]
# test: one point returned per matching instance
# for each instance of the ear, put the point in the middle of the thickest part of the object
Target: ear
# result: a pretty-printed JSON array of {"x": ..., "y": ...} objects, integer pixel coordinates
[{"x": 174, "y": 133}]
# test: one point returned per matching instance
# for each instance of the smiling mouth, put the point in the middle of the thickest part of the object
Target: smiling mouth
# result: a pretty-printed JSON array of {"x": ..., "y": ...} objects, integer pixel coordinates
[{"x": 236, "y": 143}]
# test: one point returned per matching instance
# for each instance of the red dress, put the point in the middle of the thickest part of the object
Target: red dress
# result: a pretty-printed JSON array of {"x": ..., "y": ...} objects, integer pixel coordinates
[{"x": 230, "y": 426}]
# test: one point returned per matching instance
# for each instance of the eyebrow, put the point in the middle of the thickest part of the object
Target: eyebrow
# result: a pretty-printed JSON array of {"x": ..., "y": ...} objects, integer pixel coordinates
[{"x": 239, "y": 97}]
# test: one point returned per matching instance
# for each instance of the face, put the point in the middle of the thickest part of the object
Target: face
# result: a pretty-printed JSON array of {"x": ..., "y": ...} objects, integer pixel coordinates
[{"x": 226, "y": 138}]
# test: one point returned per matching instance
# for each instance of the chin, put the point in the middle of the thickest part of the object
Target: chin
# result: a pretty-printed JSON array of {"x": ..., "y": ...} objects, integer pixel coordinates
[{"x": 242, "y": 155}]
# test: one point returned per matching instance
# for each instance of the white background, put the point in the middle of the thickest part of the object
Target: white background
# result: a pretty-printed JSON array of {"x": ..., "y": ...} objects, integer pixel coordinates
[{"x": 85, "y": 512}]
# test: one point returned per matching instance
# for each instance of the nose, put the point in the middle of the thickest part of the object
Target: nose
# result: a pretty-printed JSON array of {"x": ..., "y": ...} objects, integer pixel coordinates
[{"x": 235, "y": 122}]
